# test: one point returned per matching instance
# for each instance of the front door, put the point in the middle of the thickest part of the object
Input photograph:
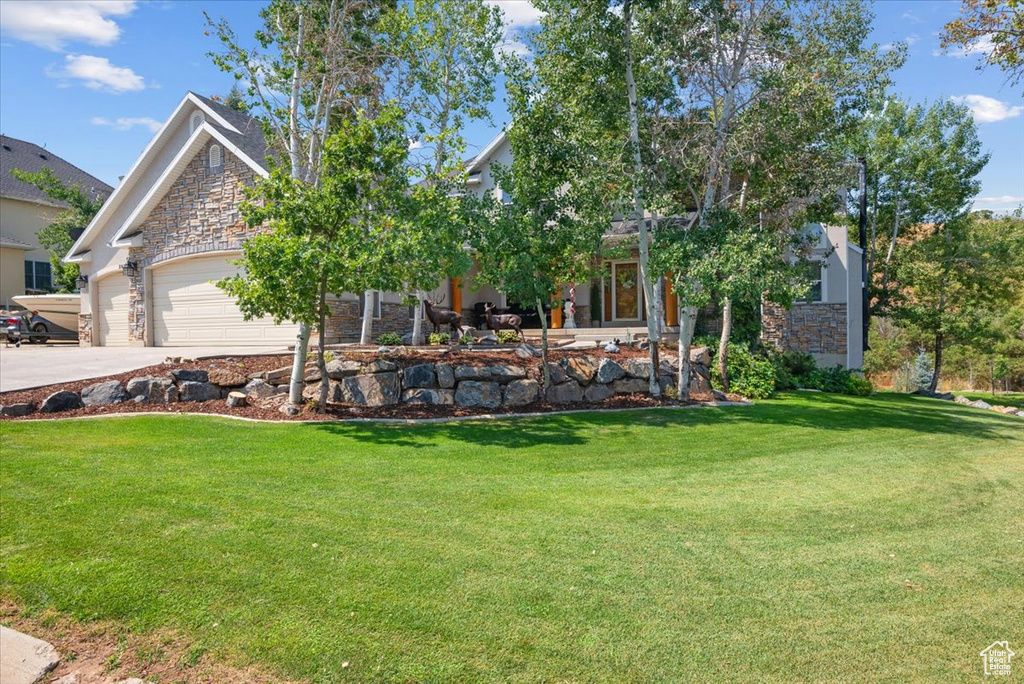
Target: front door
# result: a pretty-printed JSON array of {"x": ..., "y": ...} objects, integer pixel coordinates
[{"x": 626, "y": 291}]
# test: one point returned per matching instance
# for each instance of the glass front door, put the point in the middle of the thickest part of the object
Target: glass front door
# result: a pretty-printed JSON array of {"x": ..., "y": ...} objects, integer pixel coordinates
[{"x": 626, "y": 291}]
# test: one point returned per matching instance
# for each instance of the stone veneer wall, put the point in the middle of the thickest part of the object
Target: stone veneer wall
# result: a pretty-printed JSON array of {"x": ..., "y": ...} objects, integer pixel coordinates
[
  {"x": 199, "y": 214},
  {"x": 815, "y": 328},
  {"x": 345, "y": 324},
  {"x": 85, "y": 330}
]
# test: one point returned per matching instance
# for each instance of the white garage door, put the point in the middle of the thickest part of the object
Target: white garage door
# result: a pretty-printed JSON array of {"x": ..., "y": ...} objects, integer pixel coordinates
[
  {"x": 190, "y": 310},
  {"x": 113, "y": 311}
]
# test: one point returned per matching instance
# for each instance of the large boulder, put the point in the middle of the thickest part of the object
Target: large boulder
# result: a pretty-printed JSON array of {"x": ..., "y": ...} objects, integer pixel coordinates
[
  {"x": 190, "y": 375},
  {"x": 961, "y": 399},
  {"x": 630, "y": 386},
  {"x": 637, "y": 368},
  {"x": 422, "y": 375},
  {"x": 609, "y": 371},
  {"x": 980, "y": 404},
  {"x": 16, "y": 410},
  {"x": 507, "y": 373},
  {"x": 61, "y": 400},
  {"x": 566, "y": 393},
  {"x": 340, "y": 368},
  {"x": 478, "y": 373},
  {"x": 700, "y": 355},
  {"x": 700, "y": 379},
  {"x": 197, "y": 391},
  {"x": 260, "y": 389},
  {"x": 227, "y": 377},
  {"x": 522, "y": 392},
  {"x": 473, "y": 393},
  {"x": 558, "y": 374},
  {"x": 378, "y": 389},
  {"x": 445, "y": 376},
  {"x": 433, "y": 397},
  {"x": 105, "y": 393},
  {"x": 527, "y": 351},
  {"x": 382, "y": 366},
  {"x": 278, "y": 376},
  {"x": 156, "y": 389},
  {"x": 582, "y": 369},
  {"x": 597, "y": 392}
]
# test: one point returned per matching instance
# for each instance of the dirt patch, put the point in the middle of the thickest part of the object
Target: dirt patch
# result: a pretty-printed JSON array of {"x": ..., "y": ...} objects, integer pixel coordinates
[
  {"x": 404, "y": 357},
  {"x": 105, "y": 652}
]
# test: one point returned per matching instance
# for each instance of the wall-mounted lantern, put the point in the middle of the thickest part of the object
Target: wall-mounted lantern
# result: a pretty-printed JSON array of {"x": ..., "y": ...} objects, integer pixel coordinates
[
  {"x": 130, "y": 269},
  {"x": 82, "y": 282}
]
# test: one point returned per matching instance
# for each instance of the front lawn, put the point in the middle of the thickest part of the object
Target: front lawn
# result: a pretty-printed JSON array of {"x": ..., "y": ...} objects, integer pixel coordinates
[{"x": 809, "y": 538}]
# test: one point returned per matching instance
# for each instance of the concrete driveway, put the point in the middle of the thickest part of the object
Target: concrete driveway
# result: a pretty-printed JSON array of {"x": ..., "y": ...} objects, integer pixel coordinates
[{"x": 33, "y": 365}]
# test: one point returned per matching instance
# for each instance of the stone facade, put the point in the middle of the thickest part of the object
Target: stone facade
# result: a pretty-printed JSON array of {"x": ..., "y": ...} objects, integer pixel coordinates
[
  {"x": 346, "y": 324},
  {"x": 85, "y": 330},
  {"x": 198, "y": 215},
  {"x": 814, "y": 328}
]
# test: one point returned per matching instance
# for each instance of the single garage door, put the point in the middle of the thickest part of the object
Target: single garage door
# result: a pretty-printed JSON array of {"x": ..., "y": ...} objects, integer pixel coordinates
[
  {"x": 113, "y": 311},
  {"x": 190, "y": 310}
]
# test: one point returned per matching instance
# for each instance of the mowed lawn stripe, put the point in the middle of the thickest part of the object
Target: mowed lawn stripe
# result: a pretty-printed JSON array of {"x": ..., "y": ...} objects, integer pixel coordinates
[{"x": 808, "y": 538}]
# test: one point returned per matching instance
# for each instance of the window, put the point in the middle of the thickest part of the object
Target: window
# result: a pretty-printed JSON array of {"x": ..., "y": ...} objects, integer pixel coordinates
[
  {"x": 813, "y": 274},
  {"x": 215, "y": 158},
  {"x": 38, "y": 275},
  {"x": 195, "y": 121},
  {"x": 377, "y": 296}
]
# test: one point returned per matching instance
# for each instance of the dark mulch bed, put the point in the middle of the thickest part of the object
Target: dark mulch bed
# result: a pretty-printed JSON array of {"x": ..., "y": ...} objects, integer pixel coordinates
[{"x": 403, "y": 357}]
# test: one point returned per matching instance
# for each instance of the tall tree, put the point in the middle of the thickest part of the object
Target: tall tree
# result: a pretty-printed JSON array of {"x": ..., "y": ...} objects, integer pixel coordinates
[
  {"x": 314, "y": 62},
  {"x": 56, "y": 237},
  {"x": 992, "y": 28}
]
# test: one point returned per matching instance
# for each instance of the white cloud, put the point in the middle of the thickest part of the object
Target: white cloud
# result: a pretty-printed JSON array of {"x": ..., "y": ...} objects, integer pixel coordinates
[
  {"x": 98, "y": 73},
  {"x": 1001, "y": 199},
  {"x": 53, "y": 23},
  {"x": 415, "y": 145},
  {"x": 518, "y": 15},
  {"x": 912, "y": 17},
  {"x": 982, "y": 46},
  {"x": 988, "y": 109},
  {"x": 126, "y": 123}
]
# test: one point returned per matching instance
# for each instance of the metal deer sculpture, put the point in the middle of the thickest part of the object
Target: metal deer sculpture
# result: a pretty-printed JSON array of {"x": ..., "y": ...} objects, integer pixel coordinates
[
  {"x": 439, "y": 317},
  {"x": 498, "y": 322}
]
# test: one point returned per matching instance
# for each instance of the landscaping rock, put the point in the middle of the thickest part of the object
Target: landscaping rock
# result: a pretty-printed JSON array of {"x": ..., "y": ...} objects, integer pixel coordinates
[
  {"x": 630, "y": 386},
  {"x": 472, "y": 372},
  {"x": 522, "y": 392},
  {"x": 226, "y": 377},
  {"x": 558, "y": 374},
  {"x": 237, "y": 399},
  {"x": 700, "y": 380},
  {"x": 580, "y": 344},
  {"x": 527, "y": 351},
  {"x": 611, "y": 348},
  {"x": 378, "y": 389},
  {"x": 278, "y": 376},
  {"x": 338, "y": 369},
  {"x": 290, "y": 409},
  {"x": 718, "y": 395},
  {"x": 506, "y": 373},
  {"x": 24, "y": 659},
  {"x": 433, "y": 397},
  {"x": 980, "y": 404},
  {"x": 637, "y": 368},
  {"x": 312, "y": 375},
  {"x": 700, "y": 355},
  {"x": 609, "y": 371},
  {"x": 104, "y": 394},
  {"x": 566, "y": 393},
  {"x": 197, "y": 391},
  {"x": 1006, "y": 410},
  {"x": 382, "y": 366},
  {"x": 141, "y": 399},
  {"x": 259, "y": 389},
  {"x": 445, "y": 376},
  {"x": 187, "y": 375},
  {"x": 472, "y": 393},
  {"x": 582, "y": 369},
  {"x": 156, "y": 389},
  {"x": 597, "y": 392},
  {"x": 15, "y": 410},
  {"x": 61, "y": 400},
  {"x": 422, "y": 375},
  {"x": 960, "y": 399}
]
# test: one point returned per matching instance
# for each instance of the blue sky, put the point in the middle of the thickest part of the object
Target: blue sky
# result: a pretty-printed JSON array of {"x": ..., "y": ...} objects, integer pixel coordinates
[{"x": 92, "y": 80}]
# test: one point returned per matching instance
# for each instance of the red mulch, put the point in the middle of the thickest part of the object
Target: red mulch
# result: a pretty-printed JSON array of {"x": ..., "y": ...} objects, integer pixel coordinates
[{"x": 403, "y": 357}]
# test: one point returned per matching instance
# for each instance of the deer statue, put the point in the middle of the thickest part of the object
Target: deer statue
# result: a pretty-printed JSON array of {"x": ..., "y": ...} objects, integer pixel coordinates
[
  {"x": 498, "y": 322},
  {"x": 439, "y": 317}
]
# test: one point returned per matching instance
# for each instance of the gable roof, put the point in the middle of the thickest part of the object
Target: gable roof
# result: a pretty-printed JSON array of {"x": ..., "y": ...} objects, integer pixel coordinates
[
  {"x": 20, "y": 154},
  {"x": 238, "y": 132}
]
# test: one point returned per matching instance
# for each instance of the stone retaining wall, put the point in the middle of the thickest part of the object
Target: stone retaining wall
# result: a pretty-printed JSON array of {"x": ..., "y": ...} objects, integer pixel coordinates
[{"x": 814, "y": 328}]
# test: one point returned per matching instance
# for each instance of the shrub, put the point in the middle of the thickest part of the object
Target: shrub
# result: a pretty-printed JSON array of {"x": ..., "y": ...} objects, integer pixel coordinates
[
  {"x": 751, "y": 375},
  {"x": 922, "y": 377},
  {"x": 859, "y": 386},
  {"x": 439, "y": 338},
  {"x": 507, "y": 336},
  {"x": 467, "y": 339},
  {"x": 840, "y": 381},
  {"x": 793, "y": 369},
  {"x": 389, "y": 339}
]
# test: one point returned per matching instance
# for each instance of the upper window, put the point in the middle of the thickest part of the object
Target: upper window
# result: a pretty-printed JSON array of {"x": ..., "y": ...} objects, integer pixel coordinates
[
  {"x": 215, "y": 156},
  {"x": 195, "y": 121},
  {"x": 38, "y": 276},
  {"x": 813, "y": 274}
]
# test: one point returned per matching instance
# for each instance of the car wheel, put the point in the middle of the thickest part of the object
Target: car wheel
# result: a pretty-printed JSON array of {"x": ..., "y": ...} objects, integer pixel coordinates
[{"x": 39, "y": 328}]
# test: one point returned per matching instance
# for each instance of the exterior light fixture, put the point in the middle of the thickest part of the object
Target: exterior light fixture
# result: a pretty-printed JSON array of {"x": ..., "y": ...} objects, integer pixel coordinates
[
  {"x": 130, "y": 269},
  {"x": 82, "y": 282}
]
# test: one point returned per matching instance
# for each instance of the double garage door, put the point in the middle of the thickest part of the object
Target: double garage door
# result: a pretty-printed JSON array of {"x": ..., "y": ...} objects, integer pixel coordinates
[{"x": 187, "y": 309}]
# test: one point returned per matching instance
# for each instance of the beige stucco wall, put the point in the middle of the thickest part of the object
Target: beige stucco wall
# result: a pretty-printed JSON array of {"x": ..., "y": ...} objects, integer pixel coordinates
[
  {"x": 12, "y": 275},
  {"x": 22, "y": 220}
]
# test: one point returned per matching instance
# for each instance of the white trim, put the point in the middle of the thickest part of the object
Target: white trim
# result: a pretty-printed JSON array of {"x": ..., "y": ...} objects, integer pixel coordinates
[
  {"x": 195, "y": 120},
  {"x": 130, "y": 179},
  {"x": 83, "y": 258},
  {"x": 218, "y": 157},
  {"x": 855, "y": 248},
  {"x": 486, "y": 152}
]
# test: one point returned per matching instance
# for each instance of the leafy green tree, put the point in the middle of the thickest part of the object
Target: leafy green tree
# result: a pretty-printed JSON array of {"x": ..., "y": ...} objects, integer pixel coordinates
[
  {"x": 994, "y": 28},
  {"x": 550, "y": 232},
  {"x": 56, "y": 237},
  {"x": 343, "y": 234}
]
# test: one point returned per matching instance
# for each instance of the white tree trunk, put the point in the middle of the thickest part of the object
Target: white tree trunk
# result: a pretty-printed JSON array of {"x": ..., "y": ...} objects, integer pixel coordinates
[
  {"x": 297, "y": 382},
  {"x": 369, "y": 303},
  {"x": 687, "y": 319},
  {"x": 545, "y": 371},
  {"x": 417, "y": 320}
]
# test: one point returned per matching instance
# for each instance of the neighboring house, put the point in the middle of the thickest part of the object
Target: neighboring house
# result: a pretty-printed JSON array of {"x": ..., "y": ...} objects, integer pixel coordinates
[
  {"x": 24, "y": 210},
  {"x": 828, "y": 323}
]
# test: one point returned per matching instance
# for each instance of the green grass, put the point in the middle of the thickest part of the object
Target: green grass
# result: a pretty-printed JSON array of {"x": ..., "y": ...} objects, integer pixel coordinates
[
  {"x": 1000, "y": 399},
  {"x": 809, "y": 538}
]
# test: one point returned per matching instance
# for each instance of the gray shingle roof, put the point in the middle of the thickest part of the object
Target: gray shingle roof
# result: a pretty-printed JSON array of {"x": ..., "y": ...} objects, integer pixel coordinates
[
  {"x": 250, "y": 141},
  {"x": 19, "y": 154}
]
